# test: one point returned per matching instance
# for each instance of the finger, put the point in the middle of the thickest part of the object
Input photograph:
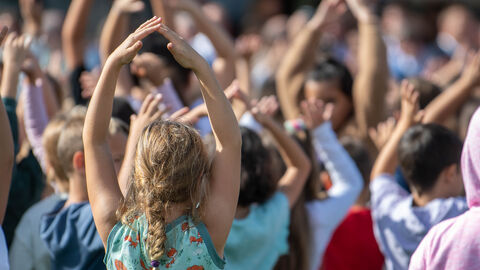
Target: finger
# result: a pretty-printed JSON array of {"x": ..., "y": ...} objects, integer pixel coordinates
[
  {"x": 146, "y": 23},
  {"x": 135, "y": 48},
  {"x": 145, "y": 104},
  {"x": 306, "y": 111},
  {"x": 10, "y": 38},
  {"x": 153, "y": 106},
  {"x": 150, "y": 23},
  {"x": 327, "y": 114},
  {"x": 168, "y": 34},
  {"x": 145, "y": 32},
  {"x": 179, "y": 113}
]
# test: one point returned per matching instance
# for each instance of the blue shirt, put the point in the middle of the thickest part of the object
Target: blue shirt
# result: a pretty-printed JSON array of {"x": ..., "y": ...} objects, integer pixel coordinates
[
  {"x": 71, "y": 238},
  {"x": 257, "y": 241},
  {"x": 400, "y": 226}
]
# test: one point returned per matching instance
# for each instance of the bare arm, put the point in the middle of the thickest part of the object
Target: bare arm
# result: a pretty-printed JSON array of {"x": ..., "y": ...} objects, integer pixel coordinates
[
  {"x": 387, "y": 158},
  {"x": 102, "y": 186},
  {"x": 73, "y": 32},
  {"x": 162, "y": 10},
  {"x": 225, "y": 174},
  {"x": 297, "y": 162},
  {"x": 300, "y": 58},
  {"x": 450, "y": 100},
  {"x": 371, "y": 82},
  {"x": 13, "y": 55},
  {"x": 220, "y": 39}
]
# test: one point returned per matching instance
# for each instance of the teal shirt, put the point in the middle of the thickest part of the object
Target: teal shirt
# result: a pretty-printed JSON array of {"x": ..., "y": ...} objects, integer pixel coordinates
[
  {"x": 257, "y": 241},
  {"x": 189, "y": 247}
]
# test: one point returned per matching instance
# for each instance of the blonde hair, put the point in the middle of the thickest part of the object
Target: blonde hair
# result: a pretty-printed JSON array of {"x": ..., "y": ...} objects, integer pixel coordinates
[
  {"x": 50, "y": 138},
  {"x": 171, "y": 168}
]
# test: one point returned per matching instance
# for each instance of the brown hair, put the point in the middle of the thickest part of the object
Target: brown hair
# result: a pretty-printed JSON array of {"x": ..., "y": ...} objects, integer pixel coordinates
[
  {"x": 51, "y": 134},
  {"x": 171, "y": 168}
]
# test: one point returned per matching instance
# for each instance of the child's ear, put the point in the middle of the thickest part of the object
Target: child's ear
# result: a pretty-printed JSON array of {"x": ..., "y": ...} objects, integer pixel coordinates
[{"x": 79, "y": 161}]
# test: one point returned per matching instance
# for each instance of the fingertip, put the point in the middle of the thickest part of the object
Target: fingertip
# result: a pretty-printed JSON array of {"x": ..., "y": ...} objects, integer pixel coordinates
[{"x": 170, "y": 46}]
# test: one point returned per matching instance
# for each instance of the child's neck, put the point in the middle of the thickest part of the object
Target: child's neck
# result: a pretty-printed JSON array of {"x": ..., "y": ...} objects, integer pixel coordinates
[
  {"x": 77, "y": 190},
  {"x": 176, "y": 210}
]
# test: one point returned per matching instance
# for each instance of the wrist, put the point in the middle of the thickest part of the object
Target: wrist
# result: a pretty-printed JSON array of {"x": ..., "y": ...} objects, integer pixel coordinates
[{"x": 113, "y": 63}]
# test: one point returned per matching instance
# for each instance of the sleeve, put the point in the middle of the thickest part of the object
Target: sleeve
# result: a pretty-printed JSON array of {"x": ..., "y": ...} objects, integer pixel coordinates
[
  {"x": 75, "y": 85},
  {"x": 385, "y": 194},
  {"x": 346, "y": 178},
  {"x": 21, "y": 247},
  {"x": 277, "y": 214},
  {"x": 36, "y": 119},
  {"x": 170, "y": 95},
  {"x": 418, "y": 259}
]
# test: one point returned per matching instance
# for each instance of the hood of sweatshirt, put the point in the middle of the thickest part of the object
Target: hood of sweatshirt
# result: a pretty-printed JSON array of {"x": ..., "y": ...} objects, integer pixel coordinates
[{"x": 471, "y": 161}]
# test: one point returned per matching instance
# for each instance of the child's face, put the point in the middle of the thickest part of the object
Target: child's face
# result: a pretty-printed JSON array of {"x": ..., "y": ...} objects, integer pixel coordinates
[
  {"x": 117, "y": 143},
  {"x": 329, "y": 92}
]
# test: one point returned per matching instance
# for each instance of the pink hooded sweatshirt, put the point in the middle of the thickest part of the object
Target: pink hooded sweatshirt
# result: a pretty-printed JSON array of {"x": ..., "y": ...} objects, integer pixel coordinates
[{"x": 455, "y": 243}]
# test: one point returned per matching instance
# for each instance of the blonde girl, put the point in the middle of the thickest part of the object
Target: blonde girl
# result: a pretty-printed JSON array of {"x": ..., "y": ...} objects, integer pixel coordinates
[{"x": 179, "y": 207}]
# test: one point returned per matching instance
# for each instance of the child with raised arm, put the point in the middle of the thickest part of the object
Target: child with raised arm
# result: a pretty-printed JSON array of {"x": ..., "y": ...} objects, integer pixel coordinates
[
  {"x": 429, "y": 157},
  {"x": 167, "y": 219},
  {"x": 259, "y": 234}
]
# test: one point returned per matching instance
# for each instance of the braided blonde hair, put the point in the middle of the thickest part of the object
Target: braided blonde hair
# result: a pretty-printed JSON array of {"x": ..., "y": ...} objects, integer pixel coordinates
[{"x": 171, "y": 168}]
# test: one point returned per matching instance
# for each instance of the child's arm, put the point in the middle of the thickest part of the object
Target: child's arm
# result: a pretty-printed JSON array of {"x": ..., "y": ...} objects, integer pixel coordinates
[
  {"x": 163, "y": 10},
  {"x": 387, "y": 158},
  {"x": 103, "y": 190},
  {"x": 448, "y": 102},
  {"x": 346, "y": 178},
  {"x": 13, "y": 56},
  {"x": 300, "y": 58},
  {"x": 220, "y": 39},
  {"x": 225, "y": 177},
  {"x": 371, "y": 81},
  {"x": 73, "y": 32},
  {"x": 148, "y": 113},
  {"x": 297, "y": 162}
]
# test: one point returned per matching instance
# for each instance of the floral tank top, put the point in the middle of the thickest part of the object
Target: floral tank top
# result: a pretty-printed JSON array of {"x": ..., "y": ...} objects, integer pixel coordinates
[{"x": 189, "y": 247}]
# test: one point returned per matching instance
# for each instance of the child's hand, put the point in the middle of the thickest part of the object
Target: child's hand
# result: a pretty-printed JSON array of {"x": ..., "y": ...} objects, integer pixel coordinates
[
  {"x": 150, "y": 66},
  {"x": 181, "y": 50},
  {"x": 362, "y": 9},
  {"x": 124, "y": 53},
  {"x": 410, "y": 113},
  {"x": 128, "y": 6},
  {"x": 265, "y": 109},
  {"x": 328, "y": 12},
  {"x": 31, "y": 68},
  {"x": 16, "y": 50},
  {"x": 382, "y": 133},
  {"x": 88, "y": 81},
  {"x": 148, "y": 113},
  {"x": 315, "y": 113},
  {"x": 471, "y": 74}
]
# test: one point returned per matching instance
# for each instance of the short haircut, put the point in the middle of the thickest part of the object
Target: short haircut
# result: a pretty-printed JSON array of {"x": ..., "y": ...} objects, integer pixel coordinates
[
  {"x": 425, "y": 151},
  {"x": 70, "y": 142},
  {"x": 359, "y": 153},
  {"x": 331, "y": 69},
  {"x": 428, "y": 91}
]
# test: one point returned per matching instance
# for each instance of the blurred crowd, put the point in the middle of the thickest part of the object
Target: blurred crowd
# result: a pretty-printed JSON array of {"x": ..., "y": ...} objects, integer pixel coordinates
[{"x": 357, "y": 119}]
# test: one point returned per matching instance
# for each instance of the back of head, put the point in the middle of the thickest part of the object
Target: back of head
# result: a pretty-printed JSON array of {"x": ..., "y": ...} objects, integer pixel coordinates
[
  {"x": 257, "y": 183},
  {"x": 359, "y": 153},
  {"x": 171, "y": 168},
  {"x": 424, "y": 152},
  {"x": 50, "y": 138},
  {"x": 471, "y": 161},
  {"x": 332, "y": 70},
  {"x": 69, "y": 142},
  {"x": 428, "y": 91}
]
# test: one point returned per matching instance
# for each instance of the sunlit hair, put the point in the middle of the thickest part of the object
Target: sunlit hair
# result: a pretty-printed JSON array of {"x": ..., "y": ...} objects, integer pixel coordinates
[
  {"x": 51, "y": 134},
  {"x": 171, "y": 169}
]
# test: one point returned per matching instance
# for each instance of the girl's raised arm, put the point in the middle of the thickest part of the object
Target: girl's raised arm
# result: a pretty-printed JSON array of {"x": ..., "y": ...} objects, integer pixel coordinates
[
  {"x": 103, "y": 191},
  {"x": 225, "y": 178}
]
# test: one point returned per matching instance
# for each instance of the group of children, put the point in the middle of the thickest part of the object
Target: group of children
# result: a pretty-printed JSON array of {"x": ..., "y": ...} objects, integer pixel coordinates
[{"x": 138, "y": 181}]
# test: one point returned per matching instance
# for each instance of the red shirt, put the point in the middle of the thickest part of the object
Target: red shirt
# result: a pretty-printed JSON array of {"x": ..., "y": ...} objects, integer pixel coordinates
[{"x": 353, "y": 245}]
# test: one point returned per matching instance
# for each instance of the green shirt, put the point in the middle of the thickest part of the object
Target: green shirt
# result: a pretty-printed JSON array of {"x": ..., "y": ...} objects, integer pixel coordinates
[{"x": 188, "y": 246}]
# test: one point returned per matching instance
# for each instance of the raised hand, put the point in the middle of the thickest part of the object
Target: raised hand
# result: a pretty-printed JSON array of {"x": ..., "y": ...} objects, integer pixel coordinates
[
  {"x": 16, "y": 50},
  {"x": 183, "y": 4},
  {"x": 126, "y": 51},
  {"x": 148, "y": 113},
  {"x": 315, "y": 113},
  {"x": 328, "y": 12},
  {"x": 471, "y": 73},
  {"x": 410, "y": 113},
  {"x": 362, "y": 9},
  {"x": 265, "y": 109},
  {"x": 128, "y": 6},
  {"x": 31, "y": 67},
  {"x": 150, "y": 66},
  {"x": 180, "y": 49},
  {"x": 88, "y": 81},
  {"x": 382, "y": 133}
]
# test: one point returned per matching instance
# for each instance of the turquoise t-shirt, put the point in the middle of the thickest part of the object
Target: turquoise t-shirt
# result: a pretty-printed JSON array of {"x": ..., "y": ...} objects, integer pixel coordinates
[
  {"x": 189, "y": 246},
  {"x": 257, "y": 241}
]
